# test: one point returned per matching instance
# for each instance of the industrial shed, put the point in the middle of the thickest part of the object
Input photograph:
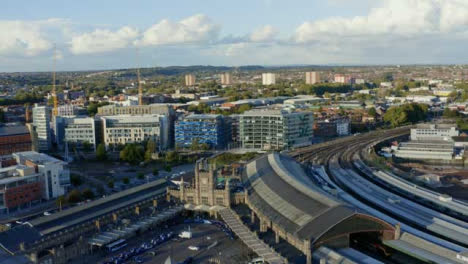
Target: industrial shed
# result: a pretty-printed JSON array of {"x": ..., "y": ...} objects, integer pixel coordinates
[{"x": 285, "y": 199}]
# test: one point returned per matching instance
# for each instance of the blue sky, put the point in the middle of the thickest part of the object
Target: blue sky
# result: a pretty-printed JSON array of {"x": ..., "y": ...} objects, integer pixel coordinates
[{"x": 105, "y": 34}]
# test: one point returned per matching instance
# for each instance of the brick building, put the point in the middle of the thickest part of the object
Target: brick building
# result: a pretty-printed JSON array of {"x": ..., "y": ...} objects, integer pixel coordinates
[{"x": 13, "y": 138}]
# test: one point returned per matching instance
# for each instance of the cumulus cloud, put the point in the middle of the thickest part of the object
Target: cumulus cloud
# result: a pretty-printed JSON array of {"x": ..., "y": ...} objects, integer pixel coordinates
[
  {"x": 195, "y": 29},
  {"x": 263, "y": 34},
  {"x": 23, "y": 38},
  {"x": 396, "y": 18},
  {"x": 103, "y": 40}
]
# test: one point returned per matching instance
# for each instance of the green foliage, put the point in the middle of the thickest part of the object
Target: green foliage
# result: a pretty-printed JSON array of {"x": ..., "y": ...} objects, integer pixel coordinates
[
  {"x": 372, "y": 112},
  {"x": 2, "y": 116},
  {"x": 87, "y": 147},
  {"x": 322, "y": 88},
  {"x": 404, "y": 114},
  {"x": 101, "y": 153},
  {"x": 132, "y": 153},
  {"x": 150, "y": 149},
  {"x": 243, "y": 108},
  {"x": 110, "y": 184},
  {"x": 76, "y": 180},
  {"x": 126, "y": 180},
  {"x": 168, "y": 168},
  {"x": 140, "y": 175},
  {"x": 88, "y": 194},
  {"x": 450, "y": 113},
  {"x": 155, "y": 172},
  {"x": 172, "y": 156},
  {"x": 75, "y": 196},
  {"x": 93, "y": 107},
  {"x": 200, "y": 109},
  {"x": 61, "y": 200}
]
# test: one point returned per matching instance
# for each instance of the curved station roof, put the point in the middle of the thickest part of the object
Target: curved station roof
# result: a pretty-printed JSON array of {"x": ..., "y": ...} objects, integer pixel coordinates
[{"x": 279, "y": 188}]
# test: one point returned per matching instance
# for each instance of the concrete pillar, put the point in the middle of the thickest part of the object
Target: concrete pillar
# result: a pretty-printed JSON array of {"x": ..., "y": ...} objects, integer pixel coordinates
[
  {"x": 263, "y": 226},
  {"x": 155, "y": 203},
  {"x": 252, "y": 217},
  {"x": 277, "y": 238},
  {"x": 309, "y": 257}
]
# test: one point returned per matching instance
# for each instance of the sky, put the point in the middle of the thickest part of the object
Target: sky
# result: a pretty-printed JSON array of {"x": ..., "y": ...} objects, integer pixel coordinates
[{"x": 112, "y": 34}]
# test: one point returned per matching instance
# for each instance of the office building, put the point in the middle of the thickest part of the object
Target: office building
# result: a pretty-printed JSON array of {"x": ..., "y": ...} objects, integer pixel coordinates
[
  {"x": 70, "y": 110},
  {"x": 20, "y": 185},
  {"x": 123, "y": 129},
  {"x": 206, "y": 129},
  {"x": 312, "y": 77},
  {"x": 152, "y": 109},
  {"x": 226, "y": 78},
  {"x": 333, "y": 127},
  {"x": 275, "y": 129},
  {"x": 41, "y": 124},
  {"x": 14, "y": 138},
  {"x": 75, "y": 131},
  {"x": 425, "y": 150},
  {"x": 268, "y": 78},
  {"x": 190, "y": 80},
  {"x": 433, "y": 132},
  {"x": 55, "y": 175}
]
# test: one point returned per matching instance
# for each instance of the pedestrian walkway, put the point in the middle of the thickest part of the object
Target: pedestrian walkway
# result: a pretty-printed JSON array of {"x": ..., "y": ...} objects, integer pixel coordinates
[{"x": 249, "y": 238}]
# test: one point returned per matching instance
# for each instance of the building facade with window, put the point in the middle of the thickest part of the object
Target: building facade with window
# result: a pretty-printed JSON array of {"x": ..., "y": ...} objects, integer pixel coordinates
[
  {"x": 123, "y": 129},
  {"x": 41, "y": 124},
  {"x": 54, "y": 173},
  {"x": 205, "y": 129},
  {"x": 275, "y": 129}
]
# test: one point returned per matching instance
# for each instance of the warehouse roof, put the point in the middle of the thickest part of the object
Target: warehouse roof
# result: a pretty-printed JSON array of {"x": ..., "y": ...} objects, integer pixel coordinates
[{"x": 13, "y": 130}]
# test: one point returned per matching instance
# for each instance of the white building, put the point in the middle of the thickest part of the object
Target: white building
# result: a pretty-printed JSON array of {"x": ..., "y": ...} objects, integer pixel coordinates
[
  {"x": 75, "y": 130},
  {"x": 305, "y": 100},
  {"x": 268, "y": 78},
  {"x": 123, "y": 129},
  {"x": 312, "y": 77},
  {"x": 190, "y": 80},
  {"x": 275, "y": 129},
  {"x": 67, "y": 110},
  {"x": 41, "y": 124},
  {"x": 442, "y": 132},
  {"x": 425, "y": 99},
  {"x": 226, "y": 78},
  {"x": 54, "y": 173},
  {"x": 343, "y": 127}
]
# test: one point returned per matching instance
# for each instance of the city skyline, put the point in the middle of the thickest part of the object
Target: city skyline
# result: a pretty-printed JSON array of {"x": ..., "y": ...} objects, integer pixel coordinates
[{"x": 106, "y": 35}]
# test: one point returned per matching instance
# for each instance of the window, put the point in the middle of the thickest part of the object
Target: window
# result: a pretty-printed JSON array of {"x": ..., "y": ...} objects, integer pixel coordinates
[{"x": 204, "y": 200}]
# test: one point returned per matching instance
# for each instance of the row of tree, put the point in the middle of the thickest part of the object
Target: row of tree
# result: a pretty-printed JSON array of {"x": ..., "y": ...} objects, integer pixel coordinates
[{"x": 405, "y": 114}]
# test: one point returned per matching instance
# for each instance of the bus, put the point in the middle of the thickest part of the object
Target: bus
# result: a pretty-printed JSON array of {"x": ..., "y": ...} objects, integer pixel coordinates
[{"x": 116, "y": 245}]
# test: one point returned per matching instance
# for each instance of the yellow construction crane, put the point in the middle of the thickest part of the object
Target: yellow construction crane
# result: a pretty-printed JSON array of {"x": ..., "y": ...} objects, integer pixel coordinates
[
  {"x": 54, "y": 91},
  {"x": 140, "y": 89}
]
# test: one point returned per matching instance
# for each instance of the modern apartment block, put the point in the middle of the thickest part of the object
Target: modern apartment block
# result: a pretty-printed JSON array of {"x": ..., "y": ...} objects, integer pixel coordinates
[
  {"x": 20, "y": 186},
  {"x": 76, "y": 130},
  {"x": 190, "y": 80},
  {"x": 345, "y": 79},
  {"x": 70, "y": 110},
  {"x": 41, "y": 124},
  {"x": 209, "y": 129},
  {"x": 226, "y": 78},
  {"x": 123, "y": 129},
  {"x": 268, "y": 78},
  {"x": 275, "y": 129},
  {"x": 54, "y": 173},
  {"x": 433, "y": 132},
  {"x": 152, "y": 109},
  {"x": 312, "y": 77}
]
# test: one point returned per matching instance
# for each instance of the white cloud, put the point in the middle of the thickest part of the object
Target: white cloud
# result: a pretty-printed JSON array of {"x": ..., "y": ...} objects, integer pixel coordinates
[
  {"x": 103, "y": 40},
  {"x": 263, "y": 34},
  {"x": 23, "y": 38},
  {"x": 396, "y": 18},
  {"x": 195, "y": 29}
]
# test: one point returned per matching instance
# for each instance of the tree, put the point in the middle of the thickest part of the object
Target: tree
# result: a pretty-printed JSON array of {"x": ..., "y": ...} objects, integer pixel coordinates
[
  {"x": 61, "y": 201},
  {"x": 168, "y": 168},
  {"x": 2, "y": 116},
  {"x": 100, "y": 189},
  {"x": 75, "y": 180},
  {"x": 126, "y": 180},
  {"x": 86, "y": 146},
  {"x": 110, "y": 184},
  {"x": 404, "y": 114},
  {"x": 195, "y": 145},
  {"x": 155, "y": 172},
  {"x": 140, "y": 175},
  {"x": 101, "y": 153},
  {"x": 205, "y": 146},
  {"x": 172, "y": 156},
  {"x": 88, "y": 194},
  {"x": 150, "y": 150},
  {"x": 243, "y": 108},
  {"x": 450, "y": 113},
  {"x": 132, "y": 153},
  {"x": 75, "y": 196},
  {"x": 372, "y": 112}
]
